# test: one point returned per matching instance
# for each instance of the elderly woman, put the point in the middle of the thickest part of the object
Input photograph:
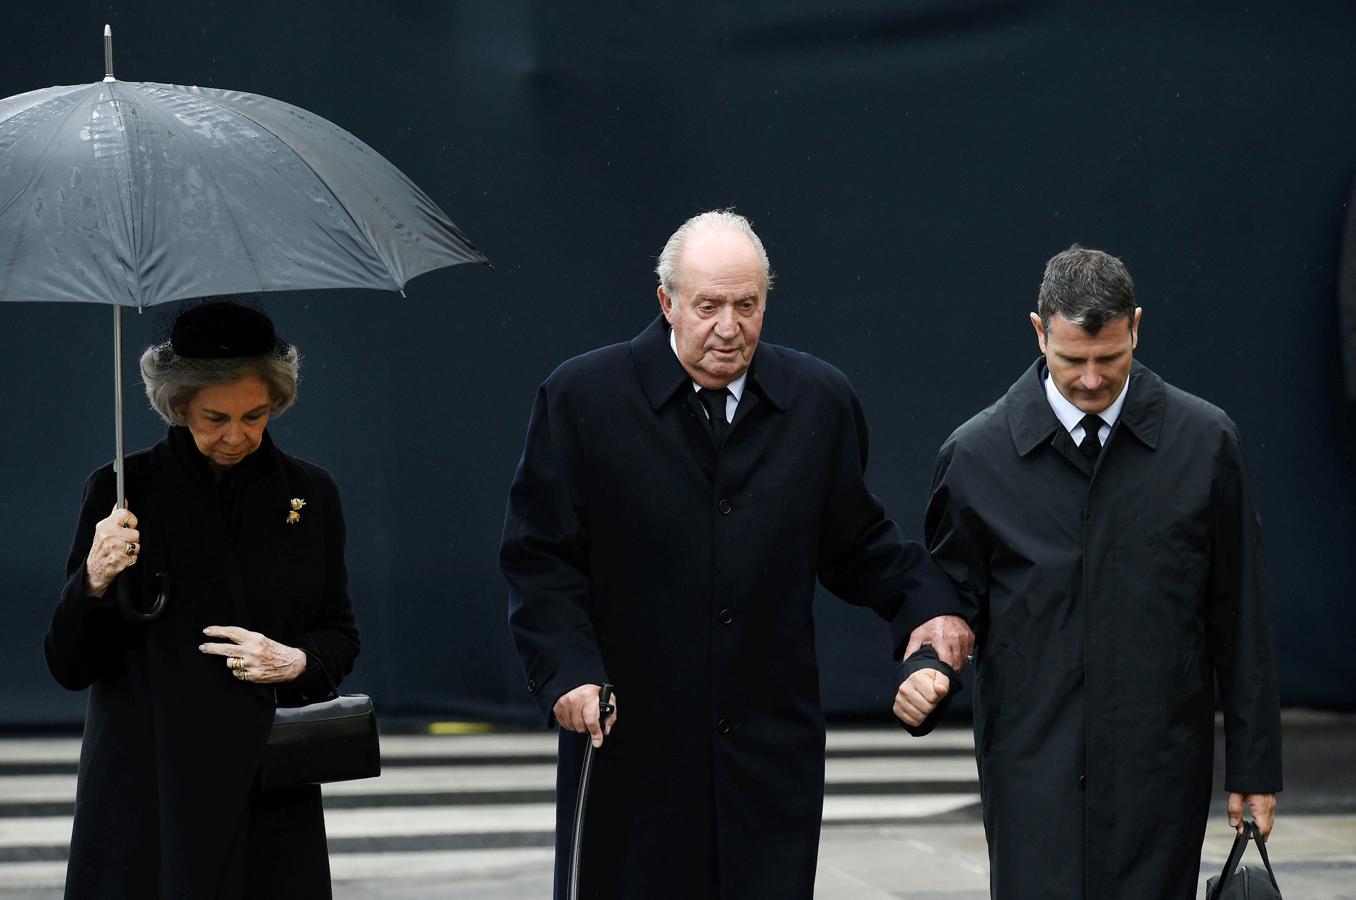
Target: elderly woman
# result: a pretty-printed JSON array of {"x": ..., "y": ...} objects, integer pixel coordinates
[{"x": 246, "y": 545}]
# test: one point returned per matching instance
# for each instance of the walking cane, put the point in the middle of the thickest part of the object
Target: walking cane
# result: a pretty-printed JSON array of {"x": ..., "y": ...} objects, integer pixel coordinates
[{"x": 605, "y": 709}]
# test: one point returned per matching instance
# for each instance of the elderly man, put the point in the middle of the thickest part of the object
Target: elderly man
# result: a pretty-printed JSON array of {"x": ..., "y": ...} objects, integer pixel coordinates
[
  {"x": 1101, "y": 524},
  {"x": 677, "y": 497}
]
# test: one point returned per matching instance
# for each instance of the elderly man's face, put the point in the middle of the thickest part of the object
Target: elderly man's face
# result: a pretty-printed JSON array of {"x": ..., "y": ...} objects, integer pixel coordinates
[
  {"x": 228, "y": 420},
  {"x": 1089, "y": 369},
  {"x": 717, "y": 310}
]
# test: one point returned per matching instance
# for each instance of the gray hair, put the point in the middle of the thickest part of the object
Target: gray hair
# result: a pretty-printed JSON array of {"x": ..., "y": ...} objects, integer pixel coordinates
[
  {"x": 1087, "y": 288},
  {"x": 172, "y": 380},
  {"x": 715, "y": 220}
]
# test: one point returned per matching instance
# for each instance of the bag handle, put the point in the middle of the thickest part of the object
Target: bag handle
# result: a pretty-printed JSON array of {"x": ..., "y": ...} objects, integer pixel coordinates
[
  {"x": 1262, "y": 849},
  {"x": 314, "y": 659},
  {"x": 1250, "y": 832},
  {"x": 1235, "y": 857}
]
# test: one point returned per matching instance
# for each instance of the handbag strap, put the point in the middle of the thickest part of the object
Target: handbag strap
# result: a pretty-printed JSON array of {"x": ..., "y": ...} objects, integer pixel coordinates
[
  {"x": 1262, "y": 849},
  {"x": 1250, "y": 832},
  {"x": 1235, "y": 857},
  {"x": 315, "y": 658}
]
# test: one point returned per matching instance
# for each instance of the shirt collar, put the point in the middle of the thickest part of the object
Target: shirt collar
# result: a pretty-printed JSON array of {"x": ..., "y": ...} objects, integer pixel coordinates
[
  {"x": 736, "y": 387},
  {"x": 1071, "y": 416}
]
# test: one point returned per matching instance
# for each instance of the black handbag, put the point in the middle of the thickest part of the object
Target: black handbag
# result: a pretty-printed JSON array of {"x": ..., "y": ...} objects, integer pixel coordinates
[
  {"x": 1244, "y": 882},
  {"x": 333, "y": 740}
]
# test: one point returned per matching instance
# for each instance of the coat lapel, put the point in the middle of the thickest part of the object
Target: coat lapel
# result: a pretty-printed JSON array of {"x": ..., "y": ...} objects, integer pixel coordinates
[
  {"x": 767, "y": 386},
  {"x": 660, "y": 373},
  {"x": 1063, "y": 444},
  {"x": 662, "y": 378},
  {"x": 743, "y": 410},
  {"x": 1144, "y": 407},
  {"x": 195, "y": 536},
  {"x": 1032, "y": 422}
]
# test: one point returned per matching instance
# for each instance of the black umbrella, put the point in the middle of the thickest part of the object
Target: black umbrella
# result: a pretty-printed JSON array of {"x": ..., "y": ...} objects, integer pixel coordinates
[{"x": 137, "y": 194}]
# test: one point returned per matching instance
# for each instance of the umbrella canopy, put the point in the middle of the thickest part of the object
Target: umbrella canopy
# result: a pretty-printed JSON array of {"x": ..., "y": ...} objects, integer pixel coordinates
[
  {"x": 143, "y": 193},
  {"x": 136, "y": 194}
]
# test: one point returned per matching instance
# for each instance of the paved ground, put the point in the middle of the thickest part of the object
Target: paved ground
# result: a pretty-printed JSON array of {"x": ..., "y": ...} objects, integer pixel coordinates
[{"x": 471, "y": 817}]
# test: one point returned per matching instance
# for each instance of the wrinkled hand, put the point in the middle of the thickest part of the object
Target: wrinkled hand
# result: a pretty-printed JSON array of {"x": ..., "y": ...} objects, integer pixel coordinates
[
  {"x": 950, "y": 636},
  {"x": 919, "y": 695},
  {"x": 578, "y": 711},
  {"x": 261, "y": 660},
  {"x": 109, "y": 552},
  {"x": 1262, "y": 807}
]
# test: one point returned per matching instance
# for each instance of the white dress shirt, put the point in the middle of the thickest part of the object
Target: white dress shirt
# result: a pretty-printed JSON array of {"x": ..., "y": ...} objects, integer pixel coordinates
[
  {"x": 736, "y": 387},
  {"x": 1071, "y": 417}
]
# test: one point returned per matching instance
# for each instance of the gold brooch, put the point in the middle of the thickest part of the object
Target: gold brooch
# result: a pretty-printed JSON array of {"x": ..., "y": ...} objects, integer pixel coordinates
[{"x": 294, "y": 516}]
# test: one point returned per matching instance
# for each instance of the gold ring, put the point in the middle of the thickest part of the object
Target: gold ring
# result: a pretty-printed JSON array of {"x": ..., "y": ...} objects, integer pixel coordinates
[
  {"x": 240, "y": 673},
  {"x": 235, "y": 662},
  {"x": 130, "y": 549}
]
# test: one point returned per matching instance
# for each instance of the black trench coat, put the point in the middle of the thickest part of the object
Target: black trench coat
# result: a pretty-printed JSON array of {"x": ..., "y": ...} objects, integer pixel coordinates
[
  {"x": 164, "y": 804},
  {"x": 638, "y": 554},
  {"x": 1108, "y": 604}
]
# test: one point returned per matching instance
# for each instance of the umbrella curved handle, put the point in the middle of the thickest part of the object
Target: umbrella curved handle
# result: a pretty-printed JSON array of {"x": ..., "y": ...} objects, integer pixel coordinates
[{"x": 131, "y": 613}]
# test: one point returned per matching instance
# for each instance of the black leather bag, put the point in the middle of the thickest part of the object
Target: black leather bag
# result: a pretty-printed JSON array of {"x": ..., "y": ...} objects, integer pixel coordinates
[
  {"x": 333, "y": 740},
  {"x": 1244, "y": 882}
]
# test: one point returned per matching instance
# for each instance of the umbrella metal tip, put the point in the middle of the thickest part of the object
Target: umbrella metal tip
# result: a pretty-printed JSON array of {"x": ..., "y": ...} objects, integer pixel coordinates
[{"x": 108, "y": 53}]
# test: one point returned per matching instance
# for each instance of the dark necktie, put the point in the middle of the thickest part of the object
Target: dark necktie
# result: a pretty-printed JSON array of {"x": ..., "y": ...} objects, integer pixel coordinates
[
  {"x": 1092, "y": 444},
  {"x": 714, "y": 401}
]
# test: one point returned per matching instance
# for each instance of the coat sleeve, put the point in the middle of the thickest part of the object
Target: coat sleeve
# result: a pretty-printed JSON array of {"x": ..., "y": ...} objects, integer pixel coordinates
[
  {"x": 1238, "y": 630},
  {"x": 331, "y": 640},
  {"x": 956, "y": 539},
  {"x": 85, "y": 640},
  {"x": 959, "y": 550},
  {"x": 544, "y": 557},
  {"x": 864, "y": 559}
]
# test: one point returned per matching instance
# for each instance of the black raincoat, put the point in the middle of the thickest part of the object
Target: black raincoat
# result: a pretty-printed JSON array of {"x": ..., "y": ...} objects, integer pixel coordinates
[
  {"x": 166, "y": 806},
  {"x": 1109, "y": 602},
  {"x": 639, "y": 553}
]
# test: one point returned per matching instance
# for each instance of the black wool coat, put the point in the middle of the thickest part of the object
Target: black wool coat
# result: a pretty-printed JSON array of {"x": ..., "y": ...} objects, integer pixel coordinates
[
  {"x": 172, "y": 742},
  {"x": 1109, "y": 602},
  {"x": 638, "y": 553}
]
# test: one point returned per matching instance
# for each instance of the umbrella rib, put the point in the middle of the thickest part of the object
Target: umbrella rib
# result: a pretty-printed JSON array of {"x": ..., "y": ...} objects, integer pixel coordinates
[
  {"x": 129, "y": 183},
  {"x": 207, "y": 173},
  {"x": 319, "y": 178},
  {"x": 46, "y": 160}
]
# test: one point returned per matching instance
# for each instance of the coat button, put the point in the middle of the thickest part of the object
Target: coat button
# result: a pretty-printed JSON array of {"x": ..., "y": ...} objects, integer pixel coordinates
[
  {"x": 726, "y": 616},
  {"x": 724, "y": 726},
  {"x": 531, "y": 686},
  {"x": 1082, "y": 782},
  {"x": 724, "y": 507}
]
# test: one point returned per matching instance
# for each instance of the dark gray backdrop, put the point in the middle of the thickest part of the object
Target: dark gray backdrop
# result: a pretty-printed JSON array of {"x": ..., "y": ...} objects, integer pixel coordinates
[{"x": 910, "y": 165}]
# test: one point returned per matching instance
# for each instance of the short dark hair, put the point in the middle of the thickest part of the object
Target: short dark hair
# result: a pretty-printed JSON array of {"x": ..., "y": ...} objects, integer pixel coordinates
[{"x": 1087, "y": 288}]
